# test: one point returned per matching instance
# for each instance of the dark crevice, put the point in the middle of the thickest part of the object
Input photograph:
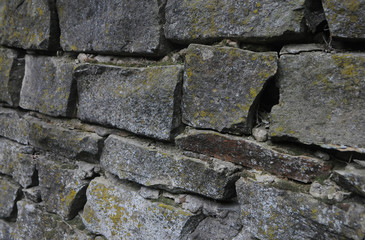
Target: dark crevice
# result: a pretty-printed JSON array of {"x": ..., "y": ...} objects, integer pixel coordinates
[
  {"x": 35, "y": 179},
  {"x": 55, "y": 31}
]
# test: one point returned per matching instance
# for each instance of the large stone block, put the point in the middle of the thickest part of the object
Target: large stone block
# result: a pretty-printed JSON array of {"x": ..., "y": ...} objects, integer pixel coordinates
[
  {"x": 118, "y": 27},
  {"x": 11, "y": 75},
  {"x": 48, "y": 86},
  {"x": 17, "y": 161},
  {"x": 163, "y": 167},
  {"x": 271, "y": 213},
  {"x": 141, "y": 100},
  {"x": 299, "y": 166},
  {"x": 321, "y": 100},
  {"x": 247, "y": 20},
  {"x": 117, "y": 211},
  {"x": 29, "y": 24},
  {"x": 345, "y": 18},
  {"x": 222, "y": 85},
  {"x": 13, "y": 126},
  {"x": 75, "y": 144},
  {"x": 9, "y": 193}
]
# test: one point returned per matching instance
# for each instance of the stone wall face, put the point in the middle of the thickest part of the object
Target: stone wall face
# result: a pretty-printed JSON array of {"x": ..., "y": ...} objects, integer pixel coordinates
[{"x": 193, "y": 119}]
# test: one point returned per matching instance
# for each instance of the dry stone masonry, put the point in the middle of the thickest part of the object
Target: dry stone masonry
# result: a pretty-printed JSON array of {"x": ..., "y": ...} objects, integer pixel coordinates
[{"x": 189, "y": 119}]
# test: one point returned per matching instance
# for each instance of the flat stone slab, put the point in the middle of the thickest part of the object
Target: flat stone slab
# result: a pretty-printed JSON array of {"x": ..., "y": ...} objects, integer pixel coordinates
[
  {"x": 29, "y": 24},
  {"x": 115, "y": 27},
  {"x": 144, "y": 101},
  {"x": 9, "y": 192},
  {"x": 13, "y": 126},
  {"x": 221, "y": 86},
  {"x": 150, "y": 165},
  {"x": 48, "y": 86},
  {"x": 321, "y": 100},
  {"x": 11, "y": 75},
  {"x": 117, "y": 211},
  {"x": 345, "y": 18},
  {"x": 246, "y": 20},
  {"x": 253, "y": 154},
  {"x": 351, "y": 178}
]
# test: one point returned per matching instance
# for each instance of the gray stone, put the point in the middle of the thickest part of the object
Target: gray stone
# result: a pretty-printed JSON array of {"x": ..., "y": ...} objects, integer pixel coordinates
[
  {"x": 165, "y": 168},
  {"x": 11, "y": 75},
  {"x": 117, "y": 27},
  {"x": 328, "y": 191},
  {"x": 33, "y": 194},
  {"x": 321, "y": 100},
  {"x": 141, "y": 100},
  {"x": 246, "y": 20},
  {"x": 149, "y": 193},
  {"x": 260, "y": 134},
  {"x": 268, "y": 212},
  {"x": 16, "y": 160},
  {"x": 299, "y": 48},
  {"x": 48, "y": 86},
  {"x": 7, "y": 230},
  {"x": 63, "y": 185},
  {"x": 9, "y": 193},
  {"x": 345, "y": 18},
  {"x": 73, "y": 144},
  {"x": 117, "y": 211},
  {"x": 351, "y": 178},
  {"x": 13, "y": 126},
  {"x": 222, "y": 86}
]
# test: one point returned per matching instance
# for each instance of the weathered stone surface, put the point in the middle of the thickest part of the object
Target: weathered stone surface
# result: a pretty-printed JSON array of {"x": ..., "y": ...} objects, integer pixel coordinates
[
  {"x": 63, "y": 185},
  {"x": 328, "y": 191},
  {"x": 299, "y": 48},
  {"x": 11, "y": 75},
  {"x": 117, "y": 211},
  {"x": 141, "y": 100},
  {"x": 73, "y": 144},
  {"x": 48, "y": 86},
  {"x": 351, "y": 178},
  {"x": 9, "y": 192},
  {"x": 13, "y": 126},
  {"x": 162, "y": 167},
  {"x": 321, "y": 100},
  {"x": 247, "y": 20},
  {"x": 7, "y": 230},
  {"x": 16, "y": 160},
  {"x": 28, "y": 24},
  {"x": 118, "y": 27},
  {"x": 345, "y": 18},
  {"x": 33, "y": 194},
  {"x": 221, "y": 85},
  {"x": 271, "y": 213},
  {"x": 253, "y": 154}
]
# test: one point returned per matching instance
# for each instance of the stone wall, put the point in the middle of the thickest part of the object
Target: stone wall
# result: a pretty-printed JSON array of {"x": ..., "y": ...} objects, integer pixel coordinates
[{"x": 182, "y": 119}]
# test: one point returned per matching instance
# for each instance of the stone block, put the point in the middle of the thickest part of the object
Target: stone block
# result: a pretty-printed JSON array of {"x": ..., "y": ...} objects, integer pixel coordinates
[
  {"x": 299, "y": 166},
  {"x": 48, "y": 86},
  {"x": 11, "y": 75},
  {"x": 245, "y": 20},
  {"x": 351, "y": 178},
  {"x": 114, "y": 27},
  {"x": 9, "y": 193},
  {"x": 29, "y": 24},
  {"x": 144, "y": 101},
  {"x": 345, "y": 18},
  {"x": 222, "y": 86},
  {"x": 13, "y": 126},
  {"x": 321, "y": 100}
]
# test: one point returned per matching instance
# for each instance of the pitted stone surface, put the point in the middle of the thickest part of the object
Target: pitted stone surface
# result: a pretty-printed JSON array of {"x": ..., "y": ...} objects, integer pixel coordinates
[
  {"x": 11, "y": 75},
  {"x": 9, "y": 192},
  {"x": 28, "y": 24},
  {"x": 221, "y": 85},
  {"x": 48, "y": 86},
  {"x": 118, "y": 27},
  {"x": 141, "y": 100},
  {"x": 321, "y": 100},
  {"x": 247, "y": 20},
  {"x": 13, "y": 126}
]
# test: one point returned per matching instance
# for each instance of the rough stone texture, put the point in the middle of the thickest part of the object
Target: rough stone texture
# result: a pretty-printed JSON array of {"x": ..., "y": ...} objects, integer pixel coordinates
[
  {"x": 253, "y": 154},
  {"x": 166, "y": 169},
  {"x": 28, "y": 24},
  {"x": 282, "y": 214},
  {"x": 328, "y": 191},
  {"x": 321, "y": 100},
  {"x": 117, "y": 27},
  {"x": 13, "y": 126},
  {"x": 345, "y": 18},
  {"x": 351, "y": 178},
  {"x": 16, "y": 160},
  {"x": 73, "y": 144},
  {"x": 33, "y": 194},
  {"x": 299, "y": 48},
  {"x": 247, "y": 20},
  {"x": 9, "y": 192},
  {"x": 48, "y": 86},
  {"x": 141, "y": 100},
  {"x": 63, "y": 185},
  {"x": 117, "y": 211},
  {"x": 7, "y": 230},
  {"x": 11, "y": 75},
  {"x": 221, "y": 86}
]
